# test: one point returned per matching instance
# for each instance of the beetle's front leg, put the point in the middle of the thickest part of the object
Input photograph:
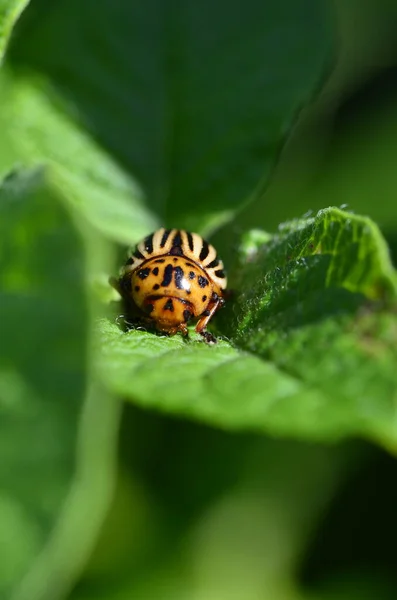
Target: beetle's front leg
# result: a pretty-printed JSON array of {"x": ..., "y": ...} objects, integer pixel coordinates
[{"x": 215, "y": 304}]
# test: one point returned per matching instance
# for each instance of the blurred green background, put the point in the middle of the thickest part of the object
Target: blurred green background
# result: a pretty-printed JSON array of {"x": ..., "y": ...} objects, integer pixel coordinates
[{"x": 197, "y": 513}]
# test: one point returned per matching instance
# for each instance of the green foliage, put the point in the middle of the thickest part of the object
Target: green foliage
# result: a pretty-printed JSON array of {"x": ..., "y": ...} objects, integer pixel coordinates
[
  {"x": 97, "y": 188},
  {"x": 43, "y": 375},
  {"x": 116, "y": 118},
  {"x": 44, "y": 328},
  {"x": 314, "y": 309},
  {"x": 158, "y": 88},
  {"x": 10, "y": 10}
]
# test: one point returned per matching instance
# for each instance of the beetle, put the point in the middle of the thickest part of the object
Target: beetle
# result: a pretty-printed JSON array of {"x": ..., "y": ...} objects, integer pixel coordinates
[{"x": 171, "y": 278}]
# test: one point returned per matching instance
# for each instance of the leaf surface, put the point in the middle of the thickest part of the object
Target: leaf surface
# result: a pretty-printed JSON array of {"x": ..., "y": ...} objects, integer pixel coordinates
[
  {"x": 312, "y": 332},
  {"x": 10, "y": 10},
  {"x": 193, "y": 99},
  {"x": 44, "y": 322}
]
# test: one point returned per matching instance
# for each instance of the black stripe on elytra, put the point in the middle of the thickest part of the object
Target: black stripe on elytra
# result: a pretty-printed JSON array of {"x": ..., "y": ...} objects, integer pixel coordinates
[
  {"x": 177, "y": 241},
  {"x": 169, "y": 305},
  {"x": 167, "y": 275},
  {"x": 213, "y": 264},
  {"x": 179, "y": 278},
  {"x": 187, "y": 314},
  {"x": 130, "y": 261},
  {"x": 165, "y": 238},
  {"x": 220, "y": 273},
  {"x": 138, "y": 254},
  {"x": 202, "y": 281},
  {"x": 155, "y": 271},
  {"x": 190, "y": 241},
  {"x": 148, "y": 242},
  {"x": 143, "y": 273},
  {"x": 176, "y": 251},
  {"x": 204, "y": 250}
]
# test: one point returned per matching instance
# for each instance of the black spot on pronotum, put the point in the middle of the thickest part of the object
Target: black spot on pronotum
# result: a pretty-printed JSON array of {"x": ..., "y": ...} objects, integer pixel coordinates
[
  {"x": 187, "y": 314},
  {"x": 204, "y": 250},
  {"x": 137, "y": 288},
  {"x": 191, "y": 275},
  {"x": 155, "y": 271},
  {"x": 160, "y": 260},
  {"x": 213, "y": 264},
  {"x": 148, "y": 243},
  {"x": 204, "y": 298},
  {"x": 206, "y": 313},
  {"x": 175, "y": 260},
  {"x": 156, "y": 286},
  {"x": 167, "y": 275},
  {"x": 169, "y": 305},
  {"x": 149, "y": 308},
  {"x": 190, "y": 241},
  {"x": 165, "y": 238},
  {"x": 143, "y": 273},
  {"x": 189, "y": 264},
  {"x": 179, "y": 278},
  {"x": 202, "y": 281},
  {"x": 220, "y": 273}
]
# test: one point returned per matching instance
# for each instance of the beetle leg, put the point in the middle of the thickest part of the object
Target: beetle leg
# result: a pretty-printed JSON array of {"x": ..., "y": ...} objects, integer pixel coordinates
[
  {"x": 182, "y": 328},
  {"x": 215, "y": 304}
]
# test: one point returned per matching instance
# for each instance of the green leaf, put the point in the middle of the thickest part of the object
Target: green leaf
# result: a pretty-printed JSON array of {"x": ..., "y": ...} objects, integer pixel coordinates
[
  {"x": 193, "y": 99},
  {"x": 44, "y": 442},
  {"x": 319, "y": 301},
  {"x": 191, "y": 379},
  {"x": 312, "y": 354},
  {"x": 313, "y": 268},
  {"x": 98, "y": 190},
  {"x": 10, "y": 11}
]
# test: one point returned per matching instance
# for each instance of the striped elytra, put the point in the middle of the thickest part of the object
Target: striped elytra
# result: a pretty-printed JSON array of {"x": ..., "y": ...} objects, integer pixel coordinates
[
  {"x": 180, "y": 243},
  {"x": 172, "y": 277}
]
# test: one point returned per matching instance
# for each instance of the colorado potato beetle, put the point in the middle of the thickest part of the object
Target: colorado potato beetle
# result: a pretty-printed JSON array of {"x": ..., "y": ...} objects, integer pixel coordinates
[{"x": 171, "y": 278}]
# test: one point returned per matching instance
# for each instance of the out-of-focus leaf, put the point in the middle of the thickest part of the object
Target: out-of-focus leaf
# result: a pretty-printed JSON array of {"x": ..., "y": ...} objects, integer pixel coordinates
[
  {"x": 97, "y": 188},
  {"x": 44, "y": 443},
  {"x": 10, "y": 11},
  {"x": 194, "y": 99}
]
